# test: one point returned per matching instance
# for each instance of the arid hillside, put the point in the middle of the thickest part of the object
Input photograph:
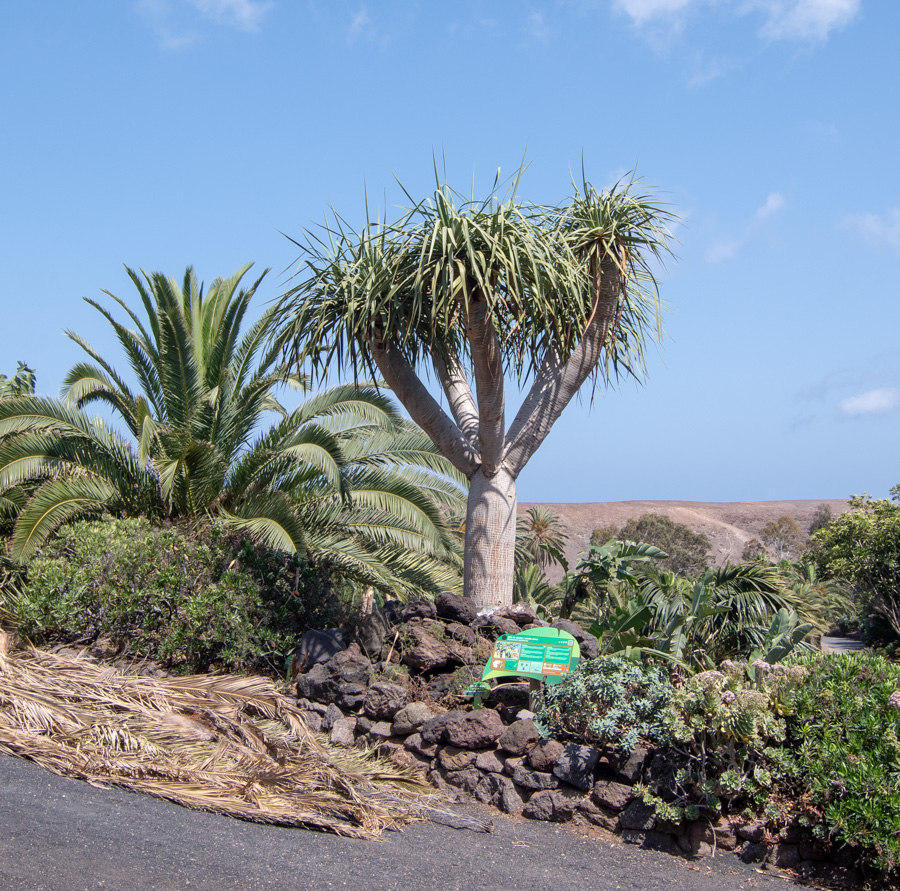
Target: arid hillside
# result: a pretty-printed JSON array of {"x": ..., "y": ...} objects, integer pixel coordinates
[{"x": 728, "y": 525}]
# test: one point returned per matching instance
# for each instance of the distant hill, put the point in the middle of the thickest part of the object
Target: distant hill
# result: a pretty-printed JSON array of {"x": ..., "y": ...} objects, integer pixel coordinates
[{"x": 728, "y": 525}]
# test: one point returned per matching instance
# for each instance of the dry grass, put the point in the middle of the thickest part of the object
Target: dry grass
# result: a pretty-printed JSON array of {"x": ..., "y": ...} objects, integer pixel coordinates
[{"x": 230, "y": 745}]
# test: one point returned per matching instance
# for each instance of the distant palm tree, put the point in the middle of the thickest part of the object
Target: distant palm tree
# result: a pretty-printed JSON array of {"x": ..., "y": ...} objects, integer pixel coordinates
[
  {"x": 341, "y": 478},
  {"x": 540, "y": 538}
]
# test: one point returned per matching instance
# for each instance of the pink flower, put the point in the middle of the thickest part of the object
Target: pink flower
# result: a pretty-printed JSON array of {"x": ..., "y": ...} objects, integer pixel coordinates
[
  {"x": 762, "y": 665},
  {"x": 728, "y": 696},
  {"x": 894, "y": 701}
]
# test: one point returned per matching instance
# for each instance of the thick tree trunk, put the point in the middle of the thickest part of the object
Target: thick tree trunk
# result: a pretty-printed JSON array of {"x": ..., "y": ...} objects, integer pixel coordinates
[{"x": 490, "y": 539}]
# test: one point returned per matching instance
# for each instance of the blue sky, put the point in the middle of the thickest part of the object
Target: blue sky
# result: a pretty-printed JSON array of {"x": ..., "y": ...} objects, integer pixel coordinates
[{"x": 162, "y": 133}]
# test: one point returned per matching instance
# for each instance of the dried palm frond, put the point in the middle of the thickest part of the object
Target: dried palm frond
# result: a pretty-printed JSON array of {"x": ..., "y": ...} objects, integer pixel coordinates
[{"x": 230, "y": 745}]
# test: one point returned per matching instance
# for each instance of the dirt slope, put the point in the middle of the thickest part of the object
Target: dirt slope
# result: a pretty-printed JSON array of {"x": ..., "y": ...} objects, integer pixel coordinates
[{"x": 728, "y": 525}]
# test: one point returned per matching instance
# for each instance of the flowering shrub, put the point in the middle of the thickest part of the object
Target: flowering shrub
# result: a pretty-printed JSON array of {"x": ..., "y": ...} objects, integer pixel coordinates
[
  {"x": 726, "y": 725},
  {"x": 843, "y": 753}
]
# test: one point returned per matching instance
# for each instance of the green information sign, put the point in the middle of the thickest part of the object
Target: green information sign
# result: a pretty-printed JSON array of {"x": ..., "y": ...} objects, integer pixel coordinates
[{"x": 547, "y": 654}]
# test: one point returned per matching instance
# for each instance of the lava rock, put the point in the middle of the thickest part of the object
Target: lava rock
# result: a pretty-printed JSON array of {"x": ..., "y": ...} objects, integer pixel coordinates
[
  {"x": 638, "y": 815},
  {"x": 418, "y": 609},
  {"x": 343, "y": 732},
  {"x": 576, "y": 766},
  {"x": 427, "y": 653},
  {"x": 455, "y": 608},
  {"x": 500, "y": 792},
  {"x": 534, "y": 779},
  {"x": 555, "y": 805},
  {"x": 599, "y": 816},
  {"x": 490, "y": 762},
  {"x": 313, "y": 721},
  {"x": 590, "y": 647},
  {"x": 350, "y": 697},
  {"x": 493, "y": 626},
  {"x": 317, "y": 647},
  {"x": 416, "y": 744},
  {"x": 519, "y": 737},
  {"x": 467, "y": 779},
  {"x": 465, "y": 730},
  {"x": 350, "y": 666},
  {"x": 317, "y": 685},
  {"x": 630, "y": 767},
  {"x": 332, "y": 714},
  {"x": 462, "y": 634},
  {"x": 614, "y": 796},
  {"x": 384, "y": 700},
  {"x": 520, "y": 613},
  {"x": 545, "y": 754},
  {"x": 575, "y": 630},
  {"x": 410, "y": 718},
  {"x": 452, "y": 758}
]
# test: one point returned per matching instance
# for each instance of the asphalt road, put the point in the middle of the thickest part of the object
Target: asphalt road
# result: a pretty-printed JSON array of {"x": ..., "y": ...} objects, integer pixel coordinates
[{"x": 58, "y": 834}]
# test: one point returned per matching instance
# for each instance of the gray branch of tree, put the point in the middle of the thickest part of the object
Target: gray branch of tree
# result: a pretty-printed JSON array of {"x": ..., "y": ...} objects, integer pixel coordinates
[
  {"x": 487, "y": 364},
  {"x": 452, "y": 377},
  {"x": 423, "y": 408},
  {"x": 557, "y": 382}
]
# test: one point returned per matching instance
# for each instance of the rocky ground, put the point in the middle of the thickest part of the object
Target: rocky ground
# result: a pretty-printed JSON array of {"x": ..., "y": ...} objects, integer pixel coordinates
[{"x": 728, "y": 525}]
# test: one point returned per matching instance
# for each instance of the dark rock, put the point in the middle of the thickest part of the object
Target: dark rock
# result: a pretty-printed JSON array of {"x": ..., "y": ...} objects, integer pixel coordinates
[
  {"x": 702, "y": 839},
  {"x": 313, "y": 721},
  {"x": 493, "y": 626},
  {"x": 363, "y": 724},
  {"x": 343, "y": 732},
  {"x": 629, "y": 768},
  {"x": 576, "y": 765},
  {"x": 317, "y": 684},
  {"x": 467, "y": 779},
  {"x": 520, "y": 613},
  {"x": 751, "y": 832},
  {"x": 384, "y": 700},
  {"x": 350, "y": 666},
  {"x": 466, "y": 730},
  {"x": 660, "y": 775},
  {"x": 350, "y": 697},
  {"x": 599, "y": 816},
  {"x": 436, "y": 778},
  {"x": 556, "y": 805},
  {"x": 519, "y": 737},
  {"x": 410, "y": 718},
  {"x": 332, "y": 714},
  {"x": 452, "y": 758},
  {"x": 786, "y": 856},
  {"x": 575, "y": 630},
  {"x": 726, "y": 839},
  {"x": 316, "y": 647},
  {"x": 534, "y": 779},
  {"x": 455, "y": 608},
  {"x": 416, "y": 744},
  {"x": 511, "y": 765},
  {"x": 612, "y": 795},
  {"x": 812, "y": 850},
  {"x": 462, "y": 634},
  {"x": 308, "y": 705},
  {"x": 427, "y": 652},
  {"x": 649, "y": 839},
  {"x": 638, "y": 815},
  {"x": 754, "y": 852},
  {"x": 418, "y": 609},
  {"x": 371, "y": 633},
  {"x": 590, "y": 647},
  {"x": 545, "y": 754},
  {"x": 490, "y": 762},
  {"x": 500, "y": 792},
  {"x": 793, "y": 834},
  {"x": 379, "y": 731}
]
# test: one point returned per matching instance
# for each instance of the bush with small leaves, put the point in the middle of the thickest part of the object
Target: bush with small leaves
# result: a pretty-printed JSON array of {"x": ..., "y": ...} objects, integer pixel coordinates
[{"x": 609, "y": 701}]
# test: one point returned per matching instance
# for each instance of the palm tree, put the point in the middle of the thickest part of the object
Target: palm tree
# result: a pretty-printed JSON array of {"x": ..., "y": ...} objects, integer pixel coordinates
[
  {"x": 341, "y": 478},
  {"x": 540, "y": 538},
  {"x": 480, "y": 289}
]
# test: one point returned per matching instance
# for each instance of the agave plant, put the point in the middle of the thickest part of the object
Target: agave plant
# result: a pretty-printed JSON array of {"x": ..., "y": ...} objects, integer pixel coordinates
[{"x": 341, "y": 478}]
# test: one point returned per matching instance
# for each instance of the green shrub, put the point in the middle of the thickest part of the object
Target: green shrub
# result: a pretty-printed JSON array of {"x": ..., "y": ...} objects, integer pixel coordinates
[
  {"x": 726, "y": 726},
  {"x": 192, "y": 599},
  {"x": 609, "y": 701},
  {"x": 844, "y": 757}
]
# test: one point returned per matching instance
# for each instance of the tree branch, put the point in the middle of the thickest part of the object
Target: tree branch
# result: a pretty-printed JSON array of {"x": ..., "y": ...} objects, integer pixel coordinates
[
  {"x": 487, "y": 365},
  {"x": 422, "y": 406},
  {"x": 557, "y": 382},
  {"x": 453, "y": 379}
]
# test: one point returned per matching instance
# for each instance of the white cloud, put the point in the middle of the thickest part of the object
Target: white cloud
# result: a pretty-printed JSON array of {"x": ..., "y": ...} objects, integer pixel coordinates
[
  {"x": 871, "y": 402},
  {"x": 245, "y": 15},
  {"x": 725, "y": 248},
  {"x": 809, "y": 20},
  {"x": 804, "y": 19},
  {"x": 879, "y": 228},
  {"x": 643, "y": 11},
  {"x": 773, "y": 204},
  {"x": 361, "y": 24}
]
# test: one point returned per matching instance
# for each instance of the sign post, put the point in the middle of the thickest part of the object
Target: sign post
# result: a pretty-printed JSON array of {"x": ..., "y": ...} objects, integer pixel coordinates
[{"x": 539, "y": 654}]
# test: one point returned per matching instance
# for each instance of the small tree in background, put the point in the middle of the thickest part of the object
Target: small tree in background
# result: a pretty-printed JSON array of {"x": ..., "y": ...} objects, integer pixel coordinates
[
  {"x": 782, "y": 536},
  {"x": 821, "y": 517}
]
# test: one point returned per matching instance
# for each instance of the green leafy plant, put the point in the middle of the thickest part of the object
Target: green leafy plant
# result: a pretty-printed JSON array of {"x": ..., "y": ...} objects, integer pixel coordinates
[
  {"x": 609, "y": 701},
  {"x": 844, "y": 752},
  {"x": 192, "y": 599}
]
